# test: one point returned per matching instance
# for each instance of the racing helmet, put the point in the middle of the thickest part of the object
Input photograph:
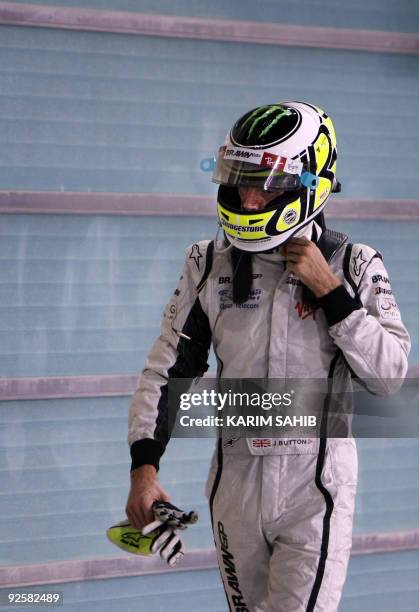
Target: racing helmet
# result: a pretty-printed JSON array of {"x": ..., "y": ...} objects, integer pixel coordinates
[{"x": 289, "y": 147}]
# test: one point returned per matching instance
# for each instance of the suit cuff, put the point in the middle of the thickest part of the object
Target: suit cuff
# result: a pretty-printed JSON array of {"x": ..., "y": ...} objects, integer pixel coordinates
[
  {"x": 146, "y": 452},
  {"x": 338, "y": 304}
]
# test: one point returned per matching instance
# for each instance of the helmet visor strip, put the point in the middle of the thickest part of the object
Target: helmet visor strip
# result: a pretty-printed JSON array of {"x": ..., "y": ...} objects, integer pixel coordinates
[{"x": 261, "y": 169}]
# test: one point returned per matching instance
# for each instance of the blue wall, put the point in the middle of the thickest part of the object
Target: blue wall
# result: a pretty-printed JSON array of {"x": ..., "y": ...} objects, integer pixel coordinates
[
  {"x": 84, "y": 294},
  {"x": 82, "y": 111},
  {"x": 64, "y": 475},
  {"x": 373, "y": 584},
  {"x": 400, "y": 16}
]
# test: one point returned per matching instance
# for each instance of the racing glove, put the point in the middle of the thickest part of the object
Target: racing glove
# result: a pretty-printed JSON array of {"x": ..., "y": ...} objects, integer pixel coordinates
[
  {"x": 159, "y": 535},
  {"x": 169, "y": 514},
  {"x": 169, "y": 519},
  {"x": 166, "y": 540}
]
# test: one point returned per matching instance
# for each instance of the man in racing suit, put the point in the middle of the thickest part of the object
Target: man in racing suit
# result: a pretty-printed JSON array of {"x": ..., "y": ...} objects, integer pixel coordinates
[{"x": 282, "y": 510}]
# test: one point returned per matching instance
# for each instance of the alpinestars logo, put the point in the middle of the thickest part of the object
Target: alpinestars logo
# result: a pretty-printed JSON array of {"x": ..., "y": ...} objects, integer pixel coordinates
[
  {"x": 230, "y": 442},
  {"x": 195, "y": 254},
  {"x": 230, "y": 571},
  {"x": 358, "y": 263},
  {"x": 131, "y": 539}
]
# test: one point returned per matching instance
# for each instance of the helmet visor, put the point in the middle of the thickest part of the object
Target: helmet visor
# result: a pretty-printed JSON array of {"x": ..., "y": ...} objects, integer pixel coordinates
[{"x": 261, "y": 169}]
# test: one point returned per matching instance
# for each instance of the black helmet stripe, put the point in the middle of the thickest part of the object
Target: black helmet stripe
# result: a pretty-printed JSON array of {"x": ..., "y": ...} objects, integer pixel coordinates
[
  {"x": 325, "y": 172},
  {"x": 304, "y": 198},
  {"x": 312, "y": 201},
  {"x": 303, "y": 157},
  {"x": 318, "y": 110},
  {"x": 312, "y": 159},
  {"x": 304, "y": 206},
  {"x": 307, "y": 104}
]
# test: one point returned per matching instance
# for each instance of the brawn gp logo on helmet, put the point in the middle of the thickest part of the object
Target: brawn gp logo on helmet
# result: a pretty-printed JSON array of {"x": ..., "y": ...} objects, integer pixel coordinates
[
  {"x": 262, "y": 158},
  {"x": 241, "y": 153}
]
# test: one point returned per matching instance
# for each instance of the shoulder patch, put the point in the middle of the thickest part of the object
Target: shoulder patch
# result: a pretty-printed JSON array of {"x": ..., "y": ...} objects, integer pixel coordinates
[
  {"x": 196, "y": 255},
  {"x": 387, "y": 308},
  {"x": 357, "y": 260},
  {"x": 197, "y": 258},
  {"x": 358, "y": 263}
]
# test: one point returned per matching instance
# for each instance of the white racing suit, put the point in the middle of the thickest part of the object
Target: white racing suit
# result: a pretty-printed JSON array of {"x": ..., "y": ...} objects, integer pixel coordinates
[{"x": 281, "y": 511}]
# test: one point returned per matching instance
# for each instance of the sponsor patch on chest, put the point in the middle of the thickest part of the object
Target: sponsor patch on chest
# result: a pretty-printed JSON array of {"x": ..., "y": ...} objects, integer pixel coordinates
[
  {"x": 305, "y": 312},
  {"x": 226, "y": 299}
]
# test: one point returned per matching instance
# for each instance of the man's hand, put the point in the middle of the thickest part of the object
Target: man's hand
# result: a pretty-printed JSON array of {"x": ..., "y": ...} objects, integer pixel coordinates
[
  {"x": 145, "y": 489},
  {"x": 305, "y": 260}
]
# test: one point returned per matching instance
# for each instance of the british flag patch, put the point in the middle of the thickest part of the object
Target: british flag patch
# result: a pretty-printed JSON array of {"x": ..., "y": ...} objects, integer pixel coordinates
[{"x": 261, "y": 442}]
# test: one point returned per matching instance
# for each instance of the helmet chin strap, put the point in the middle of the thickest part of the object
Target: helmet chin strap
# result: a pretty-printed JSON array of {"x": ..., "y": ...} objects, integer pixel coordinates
[
  {"x": 305, "y": 232},
  {"x": 220, "y": 250}
]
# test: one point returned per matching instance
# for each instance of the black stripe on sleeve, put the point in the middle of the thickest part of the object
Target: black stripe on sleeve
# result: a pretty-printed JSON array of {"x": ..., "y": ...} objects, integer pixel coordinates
[
  {"x": 146, "y": 452},
  {"x": 208, "y": 265},
  {"x": 191, "y": 362},
  {"x": 345, "y": 266},
  {"x": 338, "y": 304}
]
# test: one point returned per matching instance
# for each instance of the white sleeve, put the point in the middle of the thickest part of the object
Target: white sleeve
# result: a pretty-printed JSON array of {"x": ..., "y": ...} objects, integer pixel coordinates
[
  {"x": 369, "y": 329},
  {"x": 181, "y": 351}
]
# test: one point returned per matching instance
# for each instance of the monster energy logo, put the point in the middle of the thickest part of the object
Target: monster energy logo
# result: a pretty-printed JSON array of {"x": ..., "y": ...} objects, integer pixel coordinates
[{"x": 277, "y": 112}]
